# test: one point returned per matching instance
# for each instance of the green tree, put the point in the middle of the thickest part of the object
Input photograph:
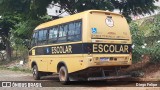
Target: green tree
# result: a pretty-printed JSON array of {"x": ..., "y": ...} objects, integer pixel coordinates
[
  {"x": 146, "y": 38},
  {"x": 36, "y": 8},
  {"x": 27, "y": 8},
  {"x": 135, "y": 7},
  {"x": 152, "y": 37},
  {"x": 75, "y": 6},
  {"x": 19, "y": 18},
  {"x": 126, "y": 7},
  {"x": 7, "y": 23}
]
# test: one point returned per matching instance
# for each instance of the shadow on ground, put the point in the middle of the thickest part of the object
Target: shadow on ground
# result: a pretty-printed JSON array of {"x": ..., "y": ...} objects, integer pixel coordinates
[{"x": 50, "y": 81}]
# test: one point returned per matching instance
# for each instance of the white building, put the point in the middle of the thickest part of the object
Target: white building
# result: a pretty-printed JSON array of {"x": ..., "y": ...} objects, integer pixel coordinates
[{"x": 54, "y": 11}]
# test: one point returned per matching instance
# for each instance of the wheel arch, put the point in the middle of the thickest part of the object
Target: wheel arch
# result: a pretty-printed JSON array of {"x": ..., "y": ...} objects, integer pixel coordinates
[
  {"x": 61, "y": 63},
  {"x": 33, "y": 63}
]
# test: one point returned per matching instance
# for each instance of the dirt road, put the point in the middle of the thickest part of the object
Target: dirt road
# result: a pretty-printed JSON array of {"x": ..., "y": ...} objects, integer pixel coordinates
[{"x": 54, "y": 84}]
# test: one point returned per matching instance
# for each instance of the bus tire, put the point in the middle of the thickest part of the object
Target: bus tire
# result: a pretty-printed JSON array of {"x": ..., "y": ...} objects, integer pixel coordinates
[
  {"x": 36, "y": 73},
  {"x": 63, "y": 75}
]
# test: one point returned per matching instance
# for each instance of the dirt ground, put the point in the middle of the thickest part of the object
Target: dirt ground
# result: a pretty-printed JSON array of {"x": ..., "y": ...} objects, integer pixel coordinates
[
  {"x": 150, "y": 71},
  {"x": 6, "y": 75}
]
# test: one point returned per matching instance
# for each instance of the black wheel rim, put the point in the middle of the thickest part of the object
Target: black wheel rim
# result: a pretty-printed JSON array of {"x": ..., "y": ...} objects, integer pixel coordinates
[
  {"x": 34, "y": 72},
  {"x": 62, "y": 75}
]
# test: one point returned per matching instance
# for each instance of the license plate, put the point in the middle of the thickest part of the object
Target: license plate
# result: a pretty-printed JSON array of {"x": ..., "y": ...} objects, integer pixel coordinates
[{"x": 104, "y": 59}]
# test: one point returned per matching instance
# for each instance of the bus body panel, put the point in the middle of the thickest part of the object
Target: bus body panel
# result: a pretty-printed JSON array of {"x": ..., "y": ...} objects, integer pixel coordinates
[
  {"x": 119, "y": 33},
  {"x": 52, "y": 62},
  {"x": 117, "y": 29}
]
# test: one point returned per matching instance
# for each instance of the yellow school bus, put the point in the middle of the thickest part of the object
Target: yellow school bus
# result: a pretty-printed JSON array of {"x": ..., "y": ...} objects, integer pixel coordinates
[{"x": 91, "y": 45}]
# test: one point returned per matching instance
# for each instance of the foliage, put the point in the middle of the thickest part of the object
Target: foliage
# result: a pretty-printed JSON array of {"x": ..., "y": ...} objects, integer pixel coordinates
[
  {"x": 24, "y": 29},
  {"x": 36, "y": 8},
  {"x": 18, "y": 20},
  {"x": 75, "y": 6},
  {"x": 2, "y": 46},
  {"x": 135, "y": 7},
  {"x": 138, "y": 40},
  {"x": 27, "y": 8},
  {"x": 146, "y": 38},
  {"x": 20, "y": 49},
  {"x": 126, "y": 7},
  {"x": 154, "y": 34},
  {"x": 7, "y": 23},
  {"x": 137, "y": 35},
  {"x": 153, "y": 39},
  {"x": 154, "y": 52}
]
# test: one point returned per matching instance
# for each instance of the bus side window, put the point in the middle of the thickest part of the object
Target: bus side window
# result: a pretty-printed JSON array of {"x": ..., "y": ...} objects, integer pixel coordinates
[
  {"x": 74, "y": 33},
  {"x": 71, "y": 31},
  {"x": 78, "y": 30},
  {"x": 34, "y": 39},
  {"x": 53, "y": 34},
  {"x": 63, "y": 33},
  {"x": 42, "y": 37}
]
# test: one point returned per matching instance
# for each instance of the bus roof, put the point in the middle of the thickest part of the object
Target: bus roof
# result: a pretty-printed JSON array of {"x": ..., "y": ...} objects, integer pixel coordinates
[{"x": 71, "y": 18}]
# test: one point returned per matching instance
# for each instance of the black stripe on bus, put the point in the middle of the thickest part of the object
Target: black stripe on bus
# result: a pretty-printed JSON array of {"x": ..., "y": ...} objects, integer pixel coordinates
[{"x": 83, "y": 48}]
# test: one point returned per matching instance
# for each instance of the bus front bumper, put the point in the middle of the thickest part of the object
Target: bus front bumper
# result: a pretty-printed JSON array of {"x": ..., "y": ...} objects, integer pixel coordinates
[{"x": 108, "y": 78}]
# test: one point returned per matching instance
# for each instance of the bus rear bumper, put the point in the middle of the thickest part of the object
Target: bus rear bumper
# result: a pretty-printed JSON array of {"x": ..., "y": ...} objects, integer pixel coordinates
[{"x": 108, "y": 78}]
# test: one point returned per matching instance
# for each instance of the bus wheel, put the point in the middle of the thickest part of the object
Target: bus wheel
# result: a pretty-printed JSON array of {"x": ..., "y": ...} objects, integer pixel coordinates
[
  {"x": 63, "y": 75},
  {"x": 36, "y": 73}
]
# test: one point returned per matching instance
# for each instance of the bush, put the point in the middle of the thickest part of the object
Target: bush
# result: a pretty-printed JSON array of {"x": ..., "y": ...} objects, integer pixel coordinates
[
  {"x": 146, "y": 40},
  {"x": 154, "y": 52},
  {"x": 137, "y": 41},
  {"x": 137, "y": 53},
  {"x": 15, "y": 68}
]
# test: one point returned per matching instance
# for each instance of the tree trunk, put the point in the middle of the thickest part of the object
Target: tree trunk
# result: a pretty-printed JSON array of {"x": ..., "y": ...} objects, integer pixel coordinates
[
  {"x": 16, "y": 51},
  {"x": 2, "y": 56},
  {"x": 8, "y": 50}
]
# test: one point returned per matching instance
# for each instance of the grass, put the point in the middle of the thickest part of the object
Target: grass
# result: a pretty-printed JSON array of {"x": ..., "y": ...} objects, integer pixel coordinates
[
  {"x": 4, "y": 66},
  {"x": 16, "y": 69},
  {"x": 20, "y": 69}
]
